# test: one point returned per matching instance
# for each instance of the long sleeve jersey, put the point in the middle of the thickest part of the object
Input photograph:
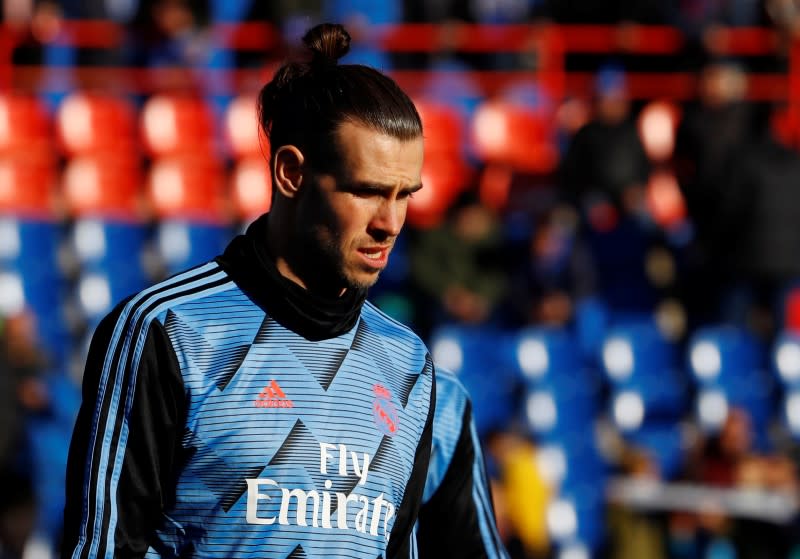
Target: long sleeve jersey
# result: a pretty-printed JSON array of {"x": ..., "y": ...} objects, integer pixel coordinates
[
  {"x": 209, "y": 428},
  {"x": 457, "y": 518}
]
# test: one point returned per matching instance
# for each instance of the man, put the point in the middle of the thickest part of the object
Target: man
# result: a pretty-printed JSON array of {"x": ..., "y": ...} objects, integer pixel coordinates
[{"x": 257, "y": 405}]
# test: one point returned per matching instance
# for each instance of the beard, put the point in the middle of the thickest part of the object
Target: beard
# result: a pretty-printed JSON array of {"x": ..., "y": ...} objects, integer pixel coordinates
[{"x": 320, "y": 262}]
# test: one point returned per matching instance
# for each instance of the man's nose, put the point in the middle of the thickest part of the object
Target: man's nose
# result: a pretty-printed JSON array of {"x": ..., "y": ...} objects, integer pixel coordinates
[{"x": 389, "y": 217}]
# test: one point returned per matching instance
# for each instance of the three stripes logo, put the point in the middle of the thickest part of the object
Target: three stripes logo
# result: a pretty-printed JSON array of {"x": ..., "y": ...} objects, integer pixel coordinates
[{"x": 272, "y": 396}]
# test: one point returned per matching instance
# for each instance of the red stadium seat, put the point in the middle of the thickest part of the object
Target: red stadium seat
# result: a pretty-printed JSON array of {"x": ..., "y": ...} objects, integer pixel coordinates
[
  {"x": 24, "y": 125},
  {"x": 90, "y": 123},
  {"x": 443, "y": 178},
  {"x": 26, "y": 186},
  {"x": 177, "y": 124},
  {"x": 443, "y": 128},
  {"x": 186, "y": 187},
  {"x": 251, "y": 188},
  {"x": 242, "y": 131},
  {"x": 514, "y": 135},
  {"x": 103, "y": 186},
  {"x": 792, "y": 311},
  {"x": 658, "y": 125}
]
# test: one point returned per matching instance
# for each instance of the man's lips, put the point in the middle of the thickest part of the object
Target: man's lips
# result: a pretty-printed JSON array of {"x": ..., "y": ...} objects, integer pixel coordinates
[{"x": 376, "y": 256}]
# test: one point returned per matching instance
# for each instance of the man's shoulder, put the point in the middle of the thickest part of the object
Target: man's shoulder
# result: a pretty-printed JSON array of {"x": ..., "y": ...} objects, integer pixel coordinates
[
  {"x": 384, "y": 324},
  {"x": 183, "y": 288}
]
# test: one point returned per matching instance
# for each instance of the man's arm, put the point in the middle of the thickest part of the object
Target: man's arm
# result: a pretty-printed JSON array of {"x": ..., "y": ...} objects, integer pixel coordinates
[
  {"x": 456, "y": 518},
  {"x": 126, "y": 441}
]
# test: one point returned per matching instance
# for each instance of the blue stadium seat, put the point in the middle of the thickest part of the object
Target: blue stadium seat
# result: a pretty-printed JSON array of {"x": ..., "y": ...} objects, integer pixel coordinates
[
  {"x": 182, "y": 244},
  {"x": 561, "y": 411},
  {"x": 663, "y": 443},
  {"x": 634, "y": 350},
  {"x": 786, "y": 359},
  {"x": 97, "y": 291},
  {"x": 728, "y": 365},
  {"x": 547, "y": 356},
  {"x": 720, "y": 354},
  {"x": 29, "y": 246},
  {"x": 116, "y": 247},
  {"x": 481, "y": 359}
]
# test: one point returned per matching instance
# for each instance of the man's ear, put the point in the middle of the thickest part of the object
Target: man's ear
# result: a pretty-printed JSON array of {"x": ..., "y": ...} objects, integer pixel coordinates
[{"x": 287, "y": 173}]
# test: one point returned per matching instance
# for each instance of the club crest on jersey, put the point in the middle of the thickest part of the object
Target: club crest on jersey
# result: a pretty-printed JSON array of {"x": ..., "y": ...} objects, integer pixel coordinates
[{"x": 384, "y": 413}]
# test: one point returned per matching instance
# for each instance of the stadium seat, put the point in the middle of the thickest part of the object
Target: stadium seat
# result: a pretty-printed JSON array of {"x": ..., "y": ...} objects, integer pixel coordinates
[
  {"x": 97, "y": 291},
  {"x": 111, "y": 245},
  {"x": 243, "y": 135},
  {"x": 443, "y": 178},
  {"x": 661, "y": 396},
  {"x": 729, "y": 366},
  {"x": 786, "y": 359},
  {"x": 791, "y": 311},
  {"x": 514, "y": 135},
  {"x": 186, "y": 187},
  {"x": 177, "y": 124},
  {"x": 657, "y": 125},
  {"x": 719, "y": 355},
  {"x": 481, "y": 359},
  {"x": 664, "y": 444},
  {"x": 562, "y": 411},
  {"x": 443, "y": 126},
  {"x": 182, "y": 244},
  {"x": 88, "y": 123},
  {"x": 27, "y": 186},
  {"x": 636, "y": 350},
  {"x": 547, "y": 357},
  {"x": 445, "y": 172},
  {"x": 24, "y": 125},
  {"x": 107, "y": 185},
  {"x": 251, "y": 188}
]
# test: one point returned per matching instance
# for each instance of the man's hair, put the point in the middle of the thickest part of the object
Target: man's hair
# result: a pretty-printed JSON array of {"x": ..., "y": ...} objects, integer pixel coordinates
[{"x": 305, "y": 102}]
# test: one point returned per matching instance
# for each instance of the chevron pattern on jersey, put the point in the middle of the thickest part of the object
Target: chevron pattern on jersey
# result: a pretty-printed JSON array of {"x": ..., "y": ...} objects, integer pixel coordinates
[
  {"x": 224, "y": 479},
  {"x": 199, "y": 352},
  {"x": 323, "y": 367},
  {"x": 298, "y": 553},
  {"x": 371, "y": 343},
  {"x": 301, "y": 447},
  {"x": 384, "y": 462}
]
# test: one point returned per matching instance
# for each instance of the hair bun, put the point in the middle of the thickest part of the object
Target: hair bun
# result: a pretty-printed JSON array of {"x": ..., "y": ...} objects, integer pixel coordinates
[{"x": 328, "y": 42}]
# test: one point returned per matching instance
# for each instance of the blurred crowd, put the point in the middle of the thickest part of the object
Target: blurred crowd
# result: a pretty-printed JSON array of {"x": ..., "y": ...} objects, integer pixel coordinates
[{"x": 621, "y": 211}]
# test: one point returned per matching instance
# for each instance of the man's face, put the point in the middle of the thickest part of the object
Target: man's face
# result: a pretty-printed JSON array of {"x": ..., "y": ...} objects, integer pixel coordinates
[{"x": 350, "y": 219}]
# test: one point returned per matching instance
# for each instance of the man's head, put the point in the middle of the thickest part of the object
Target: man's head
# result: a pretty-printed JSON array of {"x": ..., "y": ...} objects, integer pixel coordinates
[{"x": 346, "y": 154}]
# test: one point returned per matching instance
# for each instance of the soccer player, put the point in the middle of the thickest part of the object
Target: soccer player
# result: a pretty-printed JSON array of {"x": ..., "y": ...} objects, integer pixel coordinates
[{"x": 257, "y": 405}]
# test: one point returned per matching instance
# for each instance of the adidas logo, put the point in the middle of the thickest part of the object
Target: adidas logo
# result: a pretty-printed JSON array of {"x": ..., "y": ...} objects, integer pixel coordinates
[{"x": 271, "y": 396}]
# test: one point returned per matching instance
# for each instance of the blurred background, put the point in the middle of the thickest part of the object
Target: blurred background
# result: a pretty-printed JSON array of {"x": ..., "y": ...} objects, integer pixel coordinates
[{"x": 606, "y": 251}]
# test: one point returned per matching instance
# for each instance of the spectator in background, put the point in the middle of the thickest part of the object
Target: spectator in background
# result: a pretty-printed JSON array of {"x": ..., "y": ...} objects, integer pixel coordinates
[
  {"x": 457, "y": 267},
  {"x": 606, "y": 157},
  {"x": 603, "y": 175},
  {"x": 761, "y": 199},
  {"x": 712, "y": 135},
  {"x": 21, "y": 392},
  {"x": 552, "y": 273},
  {"x": 729, "y": 460}
]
